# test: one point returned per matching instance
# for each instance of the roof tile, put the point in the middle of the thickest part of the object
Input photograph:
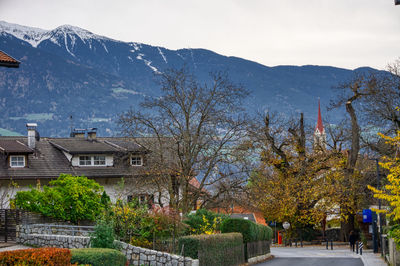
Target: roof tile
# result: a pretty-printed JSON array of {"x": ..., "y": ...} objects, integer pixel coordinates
[{"x": 8, "y": 61}]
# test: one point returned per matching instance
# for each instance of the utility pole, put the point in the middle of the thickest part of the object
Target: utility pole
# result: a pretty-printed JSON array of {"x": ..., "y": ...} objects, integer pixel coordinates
[{"x": 377, "y": 236}]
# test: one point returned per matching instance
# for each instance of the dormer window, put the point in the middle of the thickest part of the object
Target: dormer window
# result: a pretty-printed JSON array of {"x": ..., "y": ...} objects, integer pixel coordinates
[
  {"x": 96, "y": 160},
  {"x": 136, "y": 160},
  {"x": 17, "y": 161}
]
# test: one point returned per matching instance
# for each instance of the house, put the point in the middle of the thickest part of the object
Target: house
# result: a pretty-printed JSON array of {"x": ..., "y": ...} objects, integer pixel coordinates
[
  {"x": 7, "y": 61},
  {"x": 241, "y": 210},
  {"x": 31, "y": 160}
]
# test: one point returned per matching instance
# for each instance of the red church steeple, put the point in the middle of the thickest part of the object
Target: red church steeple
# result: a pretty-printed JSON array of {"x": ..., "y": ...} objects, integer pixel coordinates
[
  {"x": 319, "y": 133},
  {"x": 320, "y": 126}
]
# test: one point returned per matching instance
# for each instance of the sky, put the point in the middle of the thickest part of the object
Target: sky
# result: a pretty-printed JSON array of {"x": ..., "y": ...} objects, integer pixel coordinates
[{"x": 341, "y": 33}]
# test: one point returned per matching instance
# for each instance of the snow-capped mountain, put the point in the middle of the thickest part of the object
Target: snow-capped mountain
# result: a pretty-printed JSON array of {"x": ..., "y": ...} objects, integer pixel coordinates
[
  {"x": 71, "y": 71},
  {"x": 34, "y": 36}
]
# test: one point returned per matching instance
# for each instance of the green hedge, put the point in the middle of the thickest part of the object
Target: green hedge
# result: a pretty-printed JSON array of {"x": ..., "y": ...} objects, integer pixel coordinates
[
  {"x": 98, "y": 257},
  {"x": 218, "y": 249},
  {"x": 251, "y": 231}
]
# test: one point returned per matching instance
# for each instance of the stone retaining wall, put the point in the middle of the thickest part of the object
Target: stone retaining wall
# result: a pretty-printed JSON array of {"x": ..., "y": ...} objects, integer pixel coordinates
[
  {"x": 144, "y": 256},
  {"x": 38, "y": 235},
  {"x": 56, "y": 229}
]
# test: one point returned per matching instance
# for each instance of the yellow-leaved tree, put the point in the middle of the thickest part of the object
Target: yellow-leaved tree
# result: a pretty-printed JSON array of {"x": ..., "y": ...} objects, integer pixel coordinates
[
  {"x": 292, "y": 182},
  {"x": 391, "y": 191}
]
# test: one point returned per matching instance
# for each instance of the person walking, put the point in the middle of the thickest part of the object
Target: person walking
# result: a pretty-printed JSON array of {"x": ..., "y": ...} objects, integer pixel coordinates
[{"x": 352, "y": 240}]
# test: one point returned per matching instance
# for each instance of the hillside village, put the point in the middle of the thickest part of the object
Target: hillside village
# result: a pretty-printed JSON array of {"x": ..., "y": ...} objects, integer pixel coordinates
[{"x": 123, "y": 153}]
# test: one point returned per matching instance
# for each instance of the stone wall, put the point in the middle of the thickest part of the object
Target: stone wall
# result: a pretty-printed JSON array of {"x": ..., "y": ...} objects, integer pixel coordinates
[
  {"x": 66, "y": 237},
  {"x": 144, "y": 256},
  {"x": 57, "y": 229}
]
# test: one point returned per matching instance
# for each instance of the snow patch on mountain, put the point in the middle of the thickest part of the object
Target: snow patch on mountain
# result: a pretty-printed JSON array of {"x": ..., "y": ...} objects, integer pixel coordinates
[
  {"x": 136, "y": 46},
  {"x": 162, "y": 55},
  {"x": 148, "y": 63}
]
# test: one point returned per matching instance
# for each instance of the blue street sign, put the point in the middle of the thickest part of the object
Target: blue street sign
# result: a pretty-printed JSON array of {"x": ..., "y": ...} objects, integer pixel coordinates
[{"x": 367, "y": 216}]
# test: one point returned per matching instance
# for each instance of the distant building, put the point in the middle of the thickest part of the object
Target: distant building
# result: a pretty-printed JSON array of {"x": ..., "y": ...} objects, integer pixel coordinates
[
  {"x": 319, "y": 133},
  {"x": 7, "y": 61}
]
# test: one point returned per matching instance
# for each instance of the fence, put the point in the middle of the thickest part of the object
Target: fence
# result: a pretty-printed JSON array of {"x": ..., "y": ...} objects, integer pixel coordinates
[
  {"x": 169, "y": 245},
  {"x": 10, "y": 218},
  {"x": 257, "y": 248},
  {"x": 68, "y": 236},
  {"x": 58, "y": 229}
]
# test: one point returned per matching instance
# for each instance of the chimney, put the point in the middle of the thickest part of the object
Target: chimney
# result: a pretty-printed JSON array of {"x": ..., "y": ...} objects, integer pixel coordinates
[
  {"x": 92, "y": 133},
  {"x": 32, "y": 134},
  {"x": 78, "y": 133}
]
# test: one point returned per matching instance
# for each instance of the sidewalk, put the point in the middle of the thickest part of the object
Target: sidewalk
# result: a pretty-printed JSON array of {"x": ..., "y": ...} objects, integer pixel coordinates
[
  {"x": 368, "y": 258},
  {"x": 11, "y": 246}
]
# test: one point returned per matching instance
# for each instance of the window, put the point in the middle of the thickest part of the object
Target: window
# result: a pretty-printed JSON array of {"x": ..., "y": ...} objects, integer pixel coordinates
[
  {"x": 92, "y": 160},
  {"x": 142, "y": 199},
  {"x": 99, "y": 160},
  {"x": 136, "y": 160},
  {"x": 85, "y": 160},
  {"x": 17, "y": 161}
]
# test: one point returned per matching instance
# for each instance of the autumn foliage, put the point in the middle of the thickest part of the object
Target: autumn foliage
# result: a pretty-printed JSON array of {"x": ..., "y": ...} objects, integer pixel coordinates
[
  {"x": 391, "y": 190},
  {"x": 293, "y": 182},
  {"x": 39, "y": 256}
]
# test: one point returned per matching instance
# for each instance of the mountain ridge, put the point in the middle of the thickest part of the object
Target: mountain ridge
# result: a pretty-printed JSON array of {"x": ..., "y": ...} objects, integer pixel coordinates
[{"x": 70, "y": 74}]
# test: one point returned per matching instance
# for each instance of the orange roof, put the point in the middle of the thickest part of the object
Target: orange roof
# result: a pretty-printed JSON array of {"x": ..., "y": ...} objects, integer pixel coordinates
[
  {"x": 7, "y": 61},
  {"x": 243, "y": 210},
  {"x": 196, "y": 184}
]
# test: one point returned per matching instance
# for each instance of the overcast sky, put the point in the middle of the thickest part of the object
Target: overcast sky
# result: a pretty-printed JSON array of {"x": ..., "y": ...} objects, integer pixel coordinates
[{"x": 342, "y": 33}]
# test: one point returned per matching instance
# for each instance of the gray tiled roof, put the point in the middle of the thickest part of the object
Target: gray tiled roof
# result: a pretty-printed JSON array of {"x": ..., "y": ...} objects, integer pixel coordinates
[
  {"x": 127, "y": 144},
  {"x": 83, "y": 146},
  {"x": 48, "y": 160},
  {"x": 247, "y": 216},
  {"x": 14, "y": 146}
]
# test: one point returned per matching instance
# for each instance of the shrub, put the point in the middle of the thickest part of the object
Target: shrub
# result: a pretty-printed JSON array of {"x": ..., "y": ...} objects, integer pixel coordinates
[
  {"x": 218, "y": 249},
  {"x": 103, "y": 236},
  {"x": 98, "y": 257},
  {"x": 132, "y": 223},
  {"x": 246, "y": 227},
  {"x": 204, "y": 222},
  {"x": 191, "y": 246},
  {"x": 251, "y": 231},
  {"x": 141, "y": 242},
  {"x": 71, "y": 198},
  {"x": 395, "y": 234},
  {"x": 38, "y": 256}
]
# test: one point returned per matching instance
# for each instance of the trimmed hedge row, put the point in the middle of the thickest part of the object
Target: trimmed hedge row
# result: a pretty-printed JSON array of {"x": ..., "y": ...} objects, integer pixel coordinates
[
  {"x": 36, "y": 256},
  {"x": 98, "y": 257},
  {"x": 251, "y": 231},
  {"x": 219, "y": 249}
]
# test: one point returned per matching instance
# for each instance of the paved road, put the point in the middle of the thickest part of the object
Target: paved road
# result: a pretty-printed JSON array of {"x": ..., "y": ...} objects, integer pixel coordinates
[
  {"x": 318, "y": 255},
  {"x": 313, "y": 262}
]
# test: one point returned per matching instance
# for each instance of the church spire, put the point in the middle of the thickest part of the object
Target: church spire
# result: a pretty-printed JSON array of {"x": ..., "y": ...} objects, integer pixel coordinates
[
  {"x": 319, "y": 133},
  {"x": 320, "y": 126}
]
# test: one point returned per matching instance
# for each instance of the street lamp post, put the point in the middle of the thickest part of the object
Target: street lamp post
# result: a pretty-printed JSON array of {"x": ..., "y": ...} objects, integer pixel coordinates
[
  {"x": 378, "y": 179},
  {"x": 286, "y": 226}
]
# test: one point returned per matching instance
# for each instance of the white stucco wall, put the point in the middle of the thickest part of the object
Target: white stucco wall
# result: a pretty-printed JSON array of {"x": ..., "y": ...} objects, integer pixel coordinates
[
  {"x": 8, "y": 191},
  {"x": 109, "y": 160},
  {"x": 111, "y": 186}
]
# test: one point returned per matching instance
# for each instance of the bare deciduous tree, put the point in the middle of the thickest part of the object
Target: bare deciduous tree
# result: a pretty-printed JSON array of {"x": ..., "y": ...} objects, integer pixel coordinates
[{"x": 194, "y": 128}]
